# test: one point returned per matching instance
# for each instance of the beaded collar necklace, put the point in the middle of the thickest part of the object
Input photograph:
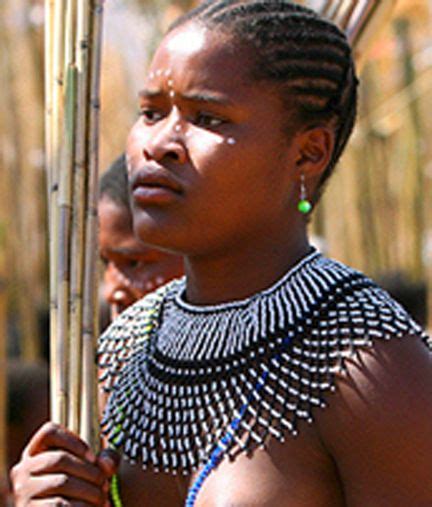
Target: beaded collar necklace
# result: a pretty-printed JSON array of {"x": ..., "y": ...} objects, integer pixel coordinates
[{"x": 189, "y": 384}]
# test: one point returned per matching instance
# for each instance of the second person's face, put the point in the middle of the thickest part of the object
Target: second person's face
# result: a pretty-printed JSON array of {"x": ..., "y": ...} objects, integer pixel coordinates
[
  {"x": 210, "y": 165},
  {"x": 131, "y": 269}
]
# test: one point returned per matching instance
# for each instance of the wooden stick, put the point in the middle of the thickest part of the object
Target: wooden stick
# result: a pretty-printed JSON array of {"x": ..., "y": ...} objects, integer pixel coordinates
[
  {"x": 58, "y": 376},
  {"x": 73, "y": 47},
  {"x": 78, "y": 223},
  {"x": 347, "y": 15},
  {"x": 90, "y": 310},
  {"x": 367, "y": 21},
  {"x": 48, "y": 73},
  {"x": 335, "y": 16},
  {"x": 326, "y": 8}
]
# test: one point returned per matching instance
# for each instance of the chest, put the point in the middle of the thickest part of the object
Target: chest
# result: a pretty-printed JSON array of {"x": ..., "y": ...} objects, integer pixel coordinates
[{"x": 296, "y": 473}]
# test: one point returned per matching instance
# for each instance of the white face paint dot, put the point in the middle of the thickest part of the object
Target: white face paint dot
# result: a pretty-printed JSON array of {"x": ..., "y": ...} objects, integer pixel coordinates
[
  {"x": 170, "y": 82},
  {"x": 151, "y": 75},
  {"x": 172, "y": 94},
  {"x": 160, "y": 280},
  {"x": 128, "y": 164},
  {"x": 177, "y": 128},
  {"x": 158, "y": 72},
  {"x": 167, "y": 72},
  {"x": 231, "y": 140}
]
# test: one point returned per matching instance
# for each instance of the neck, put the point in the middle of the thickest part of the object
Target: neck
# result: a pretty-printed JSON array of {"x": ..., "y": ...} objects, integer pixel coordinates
[{"x": 242, "y": 271}]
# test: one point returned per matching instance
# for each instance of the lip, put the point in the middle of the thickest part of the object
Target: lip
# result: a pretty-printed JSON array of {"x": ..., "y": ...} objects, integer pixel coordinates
[{"x": 154, "y": 185}]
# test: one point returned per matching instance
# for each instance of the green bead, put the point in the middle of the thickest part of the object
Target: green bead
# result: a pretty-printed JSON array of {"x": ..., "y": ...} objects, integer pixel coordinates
[{"x": 304, "y": 206}]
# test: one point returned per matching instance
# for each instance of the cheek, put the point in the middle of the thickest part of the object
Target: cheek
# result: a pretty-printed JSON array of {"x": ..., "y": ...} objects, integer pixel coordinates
[
  {"x": 109, "y": 278},
  {"x": 141, "y": 276},
  {"x": 136, "y": 140},
  {"x": 210, "y": 153}
]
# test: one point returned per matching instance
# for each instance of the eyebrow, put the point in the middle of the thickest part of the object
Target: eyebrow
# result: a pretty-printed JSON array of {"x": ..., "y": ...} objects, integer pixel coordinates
[
  {"x": 207, "y": 97},
  {"x": 125, "y": 251}
]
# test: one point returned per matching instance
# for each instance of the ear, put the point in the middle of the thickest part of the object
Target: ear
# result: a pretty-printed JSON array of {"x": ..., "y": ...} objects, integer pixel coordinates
[{"x": 314, "y": 151}]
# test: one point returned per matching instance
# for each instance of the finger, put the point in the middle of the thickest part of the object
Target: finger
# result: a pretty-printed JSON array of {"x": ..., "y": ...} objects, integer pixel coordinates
[
  {"x": 64, "y": 462},
  {"x": 109, "y": 461},
  {"x": 58, "y": 502},
  {"x": 51, "y": 436},
  {"x": 64, "y": 486}
]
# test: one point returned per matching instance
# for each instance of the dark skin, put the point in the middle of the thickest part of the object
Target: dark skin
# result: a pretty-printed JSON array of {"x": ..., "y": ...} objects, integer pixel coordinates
[
  {"x": 132, "y": 269},
  {"x": 227, "y": 206}
]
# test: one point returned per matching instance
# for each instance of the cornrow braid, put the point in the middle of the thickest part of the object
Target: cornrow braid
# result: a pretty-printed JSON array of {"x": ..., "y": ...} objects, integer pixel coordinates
[{"x": 308, "y": 57}]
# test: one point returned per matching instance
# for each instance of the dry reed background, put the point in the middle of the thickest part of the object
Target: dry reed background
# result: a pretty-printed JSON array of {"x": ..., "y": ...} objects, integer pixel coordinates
[{"x": 376, "y": 214}]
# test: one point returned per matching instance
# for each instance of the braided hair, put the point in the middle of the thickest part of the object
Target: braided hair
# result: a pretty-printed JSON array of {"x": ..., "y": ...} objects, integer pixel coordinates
[{"x": 308, "y": 57}]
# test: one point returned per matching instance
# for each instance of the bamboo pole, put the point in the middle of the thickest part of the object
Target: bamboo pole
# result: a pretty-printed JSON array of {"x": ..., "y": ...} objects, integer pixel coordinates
[
  {"x": 366, "y": 23},
  {"x": 58, "y": 376},
  {"x": 90, "y": 315},
  {"x": 78, "y": 219},
  {"x": 326, "y": 8},
  {"x": 71, "y": 228},
  {"x": 334, "y": 13},
  {"x": 347, "y": 15},
  {"x": 72, "y": 144}
]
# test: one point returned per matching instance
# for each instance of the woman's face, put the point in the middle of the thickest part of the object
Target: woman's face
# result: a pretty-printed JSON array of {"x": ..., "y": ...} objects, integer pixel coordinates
[
  {"x": 132, "y": 269},
  {"x": 209, "y": 163}
]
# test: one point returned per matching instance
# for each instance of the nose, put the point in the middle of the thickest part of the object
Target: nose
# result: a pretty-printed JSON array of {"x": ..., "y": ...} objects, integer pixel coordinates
[{"x": 165, "y": 141}]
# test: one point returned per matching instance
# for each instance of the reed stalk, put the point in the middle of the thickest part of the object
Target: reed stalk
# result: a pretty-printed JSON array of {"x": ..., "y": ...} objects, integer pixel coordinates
[
  {"x": 335, "y": 10},
  {"x": 78, "y": 219},
  {"x": 326, "y": 8},
  {"x": 366, "y": 23},
  {"x": 346, "y": 15},
  {"x": 90, "y": 300},
  {"x": 58, "y": 376},
  {"x": 73, "y": 145}
]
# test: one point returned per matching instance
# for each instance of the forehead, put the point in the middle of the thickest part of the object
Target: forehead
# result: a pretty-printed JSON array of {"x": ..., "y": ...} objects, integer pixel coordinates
[
  {"x": 199, "y": 57},
  {"x": 114, "y": 218}
]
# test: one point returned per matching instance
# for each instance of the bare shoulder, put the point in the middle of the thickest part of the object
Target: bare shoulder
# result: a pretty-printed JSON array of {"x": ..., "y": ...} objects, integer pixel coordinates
[
  {"x": 147, "y": 488},
  {"x": 378, "y": 425}
]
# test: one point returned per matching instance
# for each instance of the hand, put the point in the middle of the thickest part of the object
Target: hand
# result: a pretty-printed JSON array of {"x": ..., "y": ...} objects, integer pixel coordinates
[{"x": 58, "y": 469}]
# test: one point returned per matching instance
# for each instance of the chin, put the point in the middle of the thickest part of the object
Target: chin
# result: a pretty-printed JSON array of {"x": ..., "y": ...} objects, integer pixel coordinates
[{"x": 154, "y": 231}]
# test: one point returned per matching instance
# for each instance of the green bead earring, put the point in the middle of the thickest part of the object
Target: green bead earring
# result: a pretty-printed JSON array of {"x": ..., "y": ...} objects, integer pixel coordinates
[{"x": 304, "y": 206}]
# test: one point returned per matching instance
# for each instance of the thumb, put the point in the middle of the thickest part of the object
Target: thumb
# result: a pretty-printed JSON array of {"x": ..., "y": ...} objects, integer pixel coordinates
[{"x": 109, "y": 461}]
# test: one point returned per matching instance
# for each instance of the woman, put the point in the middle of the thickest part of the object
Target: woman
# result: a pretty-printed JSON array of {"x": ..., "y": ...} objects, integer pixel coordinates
[{"x": 224, "y": 375}]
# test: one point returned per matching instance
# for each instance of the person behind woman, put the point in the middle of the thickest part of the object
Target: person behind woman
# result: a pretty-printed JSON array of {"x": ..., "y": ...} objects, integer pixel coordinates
[
  {"x": 270, "y": 375},
  {"x": 131, "y": 268}
]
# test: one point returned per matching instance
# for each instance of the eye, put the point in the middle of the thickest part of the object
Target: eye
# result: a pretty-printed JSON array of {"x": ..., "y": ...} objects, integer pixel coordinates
[
  {"x": 150, "y": 116},
  {"x": 104, "y": 261},
  {"x": 134, "y": 264},
  {"x": 208, "y": 120}
]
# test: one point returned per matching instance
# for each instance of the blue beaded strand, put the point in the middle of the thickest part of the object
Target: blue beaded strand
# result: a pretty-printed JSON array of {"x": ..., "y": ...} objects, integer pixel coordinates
[{"x": 225, "y": 442}]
